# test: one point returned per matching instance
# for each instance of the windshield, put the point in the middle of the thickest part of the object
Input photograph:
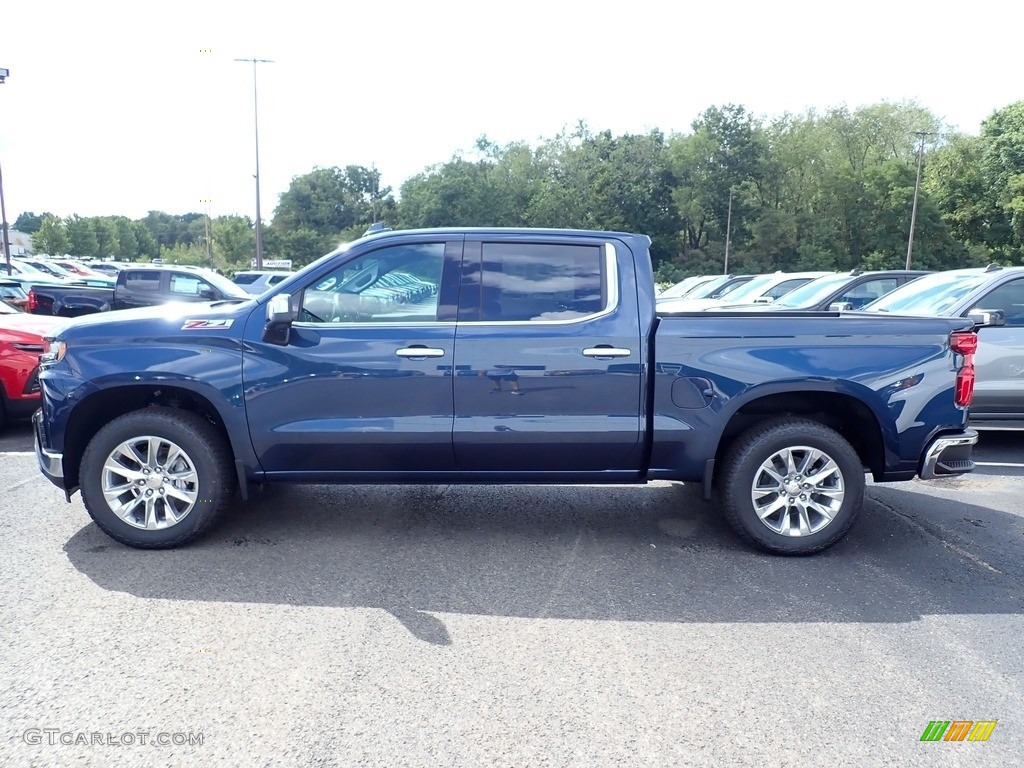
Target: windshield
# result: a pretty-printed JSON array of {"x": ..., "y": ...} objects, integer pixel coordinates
[
  {"x": 224, "y": 285},
  {"x": 681, "y": 288},
  {"x": 812, "y": 293},
  {"x": 705, "y": 290},
  {"x": 749, "y": 290},
  {"x": 51, "y": 269},
  {"x": 7, "y": 309},
  {"x": 929, "y": 295}
]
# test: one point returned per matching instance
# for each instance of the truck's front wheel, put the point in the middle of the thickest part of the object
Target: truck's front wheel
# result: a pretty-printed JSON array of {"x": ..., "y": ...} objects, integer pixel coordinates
[
  {"x": 792, "y": 486},
  {"x": 156, "y": 478}
]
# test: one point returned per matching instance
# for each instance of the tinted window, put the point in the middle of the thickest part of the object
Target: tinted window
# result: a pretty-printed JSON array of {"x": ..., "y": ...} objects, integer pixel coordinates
[
  {"x": 534, "y": 281},
  {"x": 277, "y": 279},
  {"x": 245, "y": 279},
  {"x": 188, "y": 285},
  {"x": 1008, "y": 297},
  {"x": 142, "y": 281},
  {"x": 868, "y": 291},
  {"x": 785, "y": 287},
  {"x": 398, "y": 284}
]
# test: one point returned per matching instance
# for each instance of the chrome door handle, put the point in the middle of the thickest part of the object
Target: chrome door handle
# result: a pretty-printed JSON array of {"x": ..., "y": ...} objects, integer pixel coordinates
[
  {"x": 419, "y": 352},
  {"x": 606, "y": 352}
]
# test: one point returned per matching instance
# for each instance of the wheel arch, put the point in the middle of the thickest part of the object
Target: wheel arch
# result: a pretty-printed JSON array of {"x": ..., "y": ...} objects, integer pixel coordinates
[
  {"x": 847, "y": 413},
  {"x": 104, "y": 405}
]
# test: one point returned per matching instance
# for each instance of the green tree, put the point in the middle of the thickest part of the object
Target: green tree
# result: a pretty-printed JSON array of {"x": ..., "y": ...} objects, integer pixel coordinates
[
  {"x": 107, "y": 236},
  {"x": 234, "y": 242},
  {"x": 51, "y": 238},
  {"x": 82, "y": 242},
  {"x": 29, "y": 222},
  {"x": 329, "y": 200}
]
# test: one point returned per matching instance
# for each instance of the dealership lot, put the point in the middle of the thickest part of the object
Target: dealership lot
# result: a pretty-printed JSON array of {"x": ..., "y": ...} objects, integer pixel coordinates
[{"x": 515, "y": 626}]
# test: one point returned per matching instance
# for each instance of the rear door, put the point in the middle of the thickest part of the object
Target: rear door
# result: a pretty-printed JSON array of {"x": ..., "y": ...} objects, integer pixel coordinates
[
  {"x": 547, "y": 357},
  {"x": 139, "y": 288}
]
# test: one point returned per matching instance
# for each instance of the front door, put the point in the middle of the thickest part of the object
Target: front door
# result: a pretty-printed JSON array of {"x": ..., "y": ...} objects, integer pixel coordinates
[{"x": 364, "y": 383}]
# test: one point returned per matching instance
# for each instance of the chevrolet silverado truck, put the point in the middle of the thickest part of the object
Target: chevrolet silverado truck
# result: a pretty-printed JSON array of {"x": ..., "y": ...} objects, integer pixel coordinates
[
  {"x": 134, "y": 287},
  {"x": 497, "y": 356}
]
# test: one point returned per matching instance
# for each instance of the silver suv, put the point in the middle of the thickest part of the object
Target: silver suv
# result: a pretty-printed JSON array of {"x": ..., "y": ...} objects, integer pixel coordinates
[{"x": 258, "y": 282}]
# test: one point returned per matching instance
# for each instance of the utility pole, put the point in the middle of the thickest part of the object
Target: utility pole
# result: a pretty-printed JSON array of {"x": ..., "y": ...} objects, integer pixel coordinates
[
  {"x": 4, "y": 74},
  {"x": 917, "y": 190},
  {"x": 256, "y": 124},
  {"x": 728, "y": 227}
]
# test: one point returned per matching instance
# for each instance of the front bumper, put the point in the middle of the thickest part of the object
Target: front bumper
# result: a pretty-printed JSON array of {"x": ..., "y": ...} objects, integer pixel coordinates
[
  {"x": 51, "y": 464},
  {"x": 949, "y": 455}
]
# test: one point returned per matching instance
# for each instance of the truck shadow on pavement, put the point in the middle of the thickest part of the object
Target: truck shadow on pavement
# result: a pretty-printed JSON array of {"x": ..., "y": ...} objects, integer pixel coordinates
[{"x": 620, "y": 553}]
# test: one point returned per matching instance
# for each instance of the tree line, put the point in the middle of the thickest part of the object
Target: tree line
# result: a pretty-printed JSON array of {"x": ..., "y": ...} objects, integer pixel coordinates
[{"x": 817, "y": 190}]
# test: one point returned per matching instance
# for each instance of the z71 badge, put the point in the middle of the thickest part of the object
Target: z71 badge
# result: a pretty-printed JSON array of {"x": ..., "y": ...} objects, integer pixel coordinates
[{"x": 215, "y": 324}]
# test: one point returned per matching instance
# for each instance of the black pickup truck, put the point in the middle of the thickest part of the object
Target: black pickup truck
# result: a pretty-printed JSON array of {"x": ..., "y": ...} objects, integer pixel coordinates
[{"x": 135, "y": 287}]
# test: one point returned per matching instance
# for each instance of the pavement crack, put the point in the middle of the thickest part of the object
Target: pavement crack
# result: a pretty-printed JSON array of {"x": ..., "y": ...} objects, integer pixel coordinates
[{"x": 935, "y": 534}]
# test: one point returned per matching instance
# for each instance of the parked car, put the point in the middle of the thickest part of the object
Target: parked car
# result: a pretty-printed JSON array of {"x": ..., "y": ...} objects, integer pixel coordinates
[
  {"x": 77, "y": 268},
  {"x": 258, "y": 282},
  {"x": 684, "y": 286},
  {"x": 534, "y": 356},
  {"x": 763, "y": 289},
  {"x": 21, "y": 344},
  {"x": 851, "y": 290},
  {"x": 999, "y": 362},
  {"x": 135, "y": 287},
  {"x": 50, "y": 268},
  {"x": 108, "y": 268},
  {"x": 713, "y": 288},
  {"x": 24, "y": 271},
  {"x": 12, "y": 292}
]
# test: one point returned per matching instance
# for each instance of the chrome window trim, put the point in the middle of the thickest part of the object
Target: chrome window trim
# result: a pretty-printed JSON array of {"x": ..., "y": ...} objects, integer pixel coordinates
[{"x": 612, "y": 284}]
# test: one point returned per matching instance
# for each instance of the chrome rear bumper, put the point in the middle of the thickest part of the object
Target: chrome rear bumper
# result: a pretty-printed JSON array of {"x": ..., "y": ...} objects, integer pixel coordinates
[{"x": 949, "y": 455}]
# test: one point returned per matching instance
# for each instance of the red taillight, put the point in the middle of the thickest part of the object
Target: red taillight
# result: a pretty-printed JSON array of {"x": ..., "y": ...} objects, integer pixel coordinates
[
  {"x": 33, "y": 302},
  {"x": 964, "y": 343},
  {"x": 965, "y": 385}
]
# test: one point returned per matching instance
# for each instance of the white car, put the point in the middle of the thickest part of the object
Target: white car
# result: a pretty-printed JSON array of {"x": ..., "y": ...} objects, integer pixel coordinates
[
  {"x": 258, "y": 282},
  {"x": 763, "y": 289}
]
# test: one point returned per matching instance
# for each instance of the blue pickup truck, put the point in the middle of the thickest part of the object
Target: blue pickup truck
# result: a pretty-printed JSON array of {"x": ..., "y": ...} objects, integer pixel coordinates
[{"x": 497, "y": 356}]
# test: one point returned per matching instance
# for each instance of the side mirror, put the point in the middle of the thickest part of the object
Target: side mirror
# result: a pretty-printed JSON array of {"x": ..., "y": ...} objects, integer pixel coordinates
[
  {"x": 987, "y": 318},
  {"x": 840, "y": 306},
  {"x": 763, "y": 300},
  {"x": 279, "y": 320},
  {"x": 209, "y": 294}
]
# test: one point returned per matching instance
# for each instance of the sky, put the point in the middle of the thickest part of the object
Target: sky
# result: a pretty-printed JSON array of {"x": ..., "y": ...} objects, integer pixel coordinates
[{"x": 118, "y": 108}]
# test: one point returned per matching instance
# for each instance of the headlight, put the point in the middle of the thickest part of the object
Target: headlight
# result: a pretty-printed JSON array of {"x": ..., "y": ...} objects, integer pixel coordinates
[{"x": 54, "y": 351}]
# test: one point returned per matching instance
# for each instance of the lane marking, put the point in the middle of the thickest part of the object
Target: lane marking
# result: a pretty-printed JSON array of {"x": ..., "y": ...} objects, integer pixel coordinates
[
  {"x": 33, "y": 453},
  {"x": 1015, "y": 465}
]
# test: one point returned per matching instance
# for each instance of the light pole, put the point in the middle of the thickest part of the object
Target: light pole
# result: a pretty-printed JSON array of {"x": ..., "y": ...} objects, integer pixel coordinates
[
  {"x": 728, "y": 226},
  {"x": 917, "y": 189},
  {"x": 256, "y": 124},
  {"x": 4, "y": 74}
]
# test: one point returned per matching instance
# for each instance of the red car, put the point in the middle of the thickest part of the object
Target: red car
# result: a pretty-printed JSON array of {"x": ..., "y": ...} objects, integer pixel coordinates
[{"x": 21, "y": 344}]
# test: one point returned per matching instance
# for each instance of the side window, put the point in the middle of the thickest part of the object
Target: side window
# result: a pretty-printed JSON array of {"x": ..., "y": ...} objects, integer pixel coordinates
[
  {"x": 1009, "y": 297},
  {"x": 397, "y": 284},
  {"x": 142, "y": 281},
  {"x": 535, "y": 281},
  {"x": 868, "y": 291},
  {"x": 188, "y": 285}
]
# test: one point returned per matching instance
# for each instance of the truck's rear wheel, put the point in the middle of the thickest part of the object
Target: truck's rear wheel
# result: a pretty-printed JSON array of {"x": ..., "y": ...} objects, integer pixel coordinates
[
  {"x": 156, "y": 478},
  {"x": 792, "y": 486}
]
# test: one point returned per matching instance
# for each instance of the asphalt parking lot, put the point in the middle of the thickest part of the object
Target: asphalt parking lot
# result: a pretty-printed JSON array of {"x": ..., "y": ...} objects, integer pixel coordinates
[{"x": 330, "y": 626}]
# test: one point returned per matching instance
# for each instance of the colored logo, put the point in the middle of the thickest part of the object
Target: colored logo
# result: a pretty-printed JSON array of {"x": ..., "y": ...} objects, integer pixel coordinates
[{"x": 959, "y": 730}]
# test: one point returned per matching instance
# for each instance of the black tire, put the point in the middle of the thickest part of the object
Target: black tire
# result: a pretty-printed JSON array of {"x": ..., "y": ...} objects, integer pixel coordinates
[
  {"x": 207, "y": 453},
  {"x": 742, "y": 467}
]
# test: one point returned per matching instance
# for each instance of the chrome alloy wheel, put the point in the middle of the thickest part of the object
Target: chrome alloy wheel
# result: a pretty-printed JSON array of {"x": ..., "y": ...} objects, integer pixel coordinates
[
  {"x": 150, "y": 483},
  {"x": 798, "y": 490}
]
